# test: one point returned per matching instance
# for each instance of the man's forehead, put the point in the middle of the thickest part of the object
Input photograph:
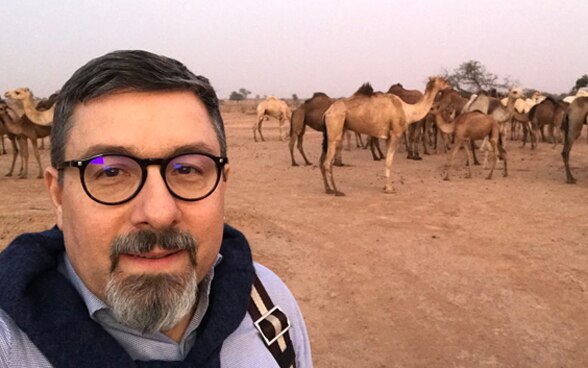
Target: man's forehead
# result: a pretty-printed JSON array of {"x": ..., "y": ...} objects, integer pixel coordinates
[{"x": 143, "y": 124}]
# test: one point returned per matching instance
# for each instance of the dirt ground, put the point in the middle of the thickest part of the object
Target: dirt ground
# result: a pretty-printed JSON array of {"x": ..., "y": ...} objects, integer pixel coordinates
[{"x": 465, "y": 273}]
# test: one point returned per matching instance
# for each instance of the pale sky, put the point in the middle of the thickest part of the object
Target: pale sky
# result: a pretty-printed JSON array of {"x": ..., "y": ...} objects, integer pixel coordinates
[{"x": 283, "y": 47}]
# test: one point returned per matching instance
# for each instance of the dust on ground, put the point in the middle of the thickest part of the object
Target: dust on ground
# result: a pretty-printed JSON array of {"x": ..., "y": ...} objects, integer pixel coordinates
[{"x": 465, "y": 273}]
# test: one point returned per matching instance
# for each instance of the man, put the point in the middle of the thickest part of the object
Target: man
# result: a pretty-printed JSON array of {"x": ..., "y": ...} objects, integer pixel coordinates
[{"x": 140, "y": 269}]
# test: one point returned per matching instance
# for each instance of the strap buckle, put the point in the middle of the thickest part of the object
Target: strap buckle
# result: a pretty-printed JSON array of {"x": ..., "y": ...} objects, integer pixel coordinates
[{"x": 272, "y": 321}]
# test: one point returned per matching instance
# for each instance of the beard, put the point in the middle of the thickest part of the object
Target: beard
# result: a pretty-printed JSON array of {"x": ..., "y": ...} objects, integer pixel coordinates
[{"x": 152, "y": 302}]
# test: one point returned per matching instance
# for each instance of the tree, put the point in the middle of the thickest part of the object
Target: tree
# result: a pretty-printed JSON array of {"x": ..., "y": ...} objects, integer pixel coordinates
[
  {"x": 244, "y": 92},
  {"x": 471, "y": 77},
  {"x": 580, "y": 82},
  {"x": 294, "y": 97},
  {"x": 236, "y": 96}
]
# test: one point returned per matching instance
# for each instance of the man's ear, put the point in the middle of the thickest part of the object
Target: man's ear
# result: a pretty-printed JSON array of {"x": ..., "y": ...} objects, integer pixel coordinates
[
  {"x": 55, "y": 192},
  {"x": 225, "y": 173}
]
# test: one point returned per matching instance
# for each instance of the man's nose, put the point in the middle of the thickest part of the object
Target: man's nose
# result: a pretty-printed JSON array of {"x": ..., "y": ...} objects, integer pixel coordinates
[{"x": 155, "y": 207}]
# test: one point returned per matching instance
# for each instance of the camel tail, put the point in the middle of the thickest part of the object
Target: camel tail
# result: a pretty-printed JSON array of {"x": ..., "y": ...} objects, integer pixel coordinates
[{"x": 325, "y": 137}]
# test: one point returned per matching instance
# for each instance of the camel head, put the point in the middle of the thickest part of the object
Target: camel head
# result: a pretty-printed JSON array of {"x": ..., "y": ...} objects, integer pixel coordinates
[
  {"x": 19, "y": 94},
  {"x": 515, "y": 92},
  {"x": 437, "y": 83}
]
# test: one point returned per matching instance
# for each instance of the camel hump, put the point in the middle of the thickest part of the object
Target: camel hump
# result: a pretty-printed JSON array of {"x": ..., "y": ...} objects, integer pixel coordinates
[
  {"x": 366, "y": 89},
  {"x": 318, "y": 94}
]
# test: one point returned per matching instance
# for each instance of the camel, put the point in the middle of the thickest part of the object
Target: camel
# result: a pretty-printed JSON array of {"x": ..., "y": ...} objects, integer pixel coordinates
[
  {"x": 39, "y": 117},
  {"x": 4, "y": 117},
  {"x": 548, "y": 112},
  {"x": 580, "y": 93},
  {"x": 310, "y": 113},
  {"x": 24, "y": 129},
  {"x": 469, "y": 126},
  {"x": 414, "y": 133},
  {"x": 380, "y": 115},
  {"x": 575, "y": 118},
  {"x": 275, "y": 108},
  {"x": 448, "y": 101}
]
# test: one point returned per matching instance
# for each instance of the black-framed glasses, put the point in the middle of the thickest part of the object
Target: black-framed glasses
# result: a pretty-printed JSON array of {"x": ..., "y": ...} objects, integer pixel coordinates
[{"x": 113, "y": 179}]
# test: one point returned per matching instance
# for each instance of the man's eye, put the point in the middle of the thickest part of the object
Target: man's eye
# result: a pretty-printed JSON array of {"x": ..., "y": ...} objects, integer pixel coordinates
[
  {"x": 185, "y": 170},
  {"x": 111, "y": 172}
]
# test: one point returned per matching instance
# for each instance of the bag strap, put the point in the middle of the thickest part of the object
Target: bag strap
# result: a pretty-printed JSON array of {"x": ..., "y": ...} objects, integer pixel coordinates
[{"x": 272, "y": 324}]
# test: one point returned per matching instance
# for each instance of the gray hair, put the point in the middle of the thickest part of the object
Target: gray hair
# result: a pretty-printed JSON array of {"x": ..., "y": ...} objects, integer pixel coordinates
[{"x": 128, "y": 70}]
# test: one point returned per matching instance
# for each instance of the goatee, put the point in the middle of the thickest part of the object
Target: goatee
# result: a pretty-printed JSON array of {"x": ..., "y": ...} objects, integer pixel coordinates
[{"x": 152, "y": 302}]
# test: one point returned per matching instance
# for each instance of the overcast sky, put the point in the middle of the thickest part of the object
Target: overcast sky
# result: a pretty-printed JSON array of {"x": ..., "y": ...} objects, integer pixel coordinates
[{"x": 285, "y": 47}]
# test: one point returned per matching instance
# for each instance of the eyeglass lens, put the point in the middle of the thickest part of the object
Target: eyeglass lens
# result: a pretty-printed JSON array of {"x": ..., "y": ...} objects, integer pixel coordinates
[{"x": 113, "y": 179}]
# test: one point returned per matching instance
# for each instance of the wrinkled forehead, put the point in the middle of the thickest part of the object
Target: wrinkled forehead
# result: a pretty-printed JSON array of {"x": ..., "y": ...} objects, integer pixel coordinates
[{"x": 145, "y": 124}]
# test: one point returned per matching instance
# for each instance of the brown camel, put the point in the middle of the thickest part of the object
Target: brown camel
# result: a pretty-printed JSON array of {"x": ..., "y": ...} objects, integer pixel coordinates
[
  {"x": 450, "y": 102},
  {"x": 550, "y": 113},
  {"x": 271, "y": 107},
  {"x": 574, "y": 119},
  {"x": 24, "y": 127},
  {"x": 380, "y": 115},
  {"x": 39, "y": 117},
  {"x": 310, "y": 113},
  {"x": 414, "y": 133},
  {"x": 469, "y": 126}
]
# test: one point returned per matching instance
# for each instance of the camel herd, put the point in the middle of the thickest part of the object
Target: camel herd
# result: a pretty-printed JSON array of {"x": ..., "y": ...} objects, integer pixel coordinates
[
  {"x": 420, "y": 118},
  {"x": 399, "y": 115}
]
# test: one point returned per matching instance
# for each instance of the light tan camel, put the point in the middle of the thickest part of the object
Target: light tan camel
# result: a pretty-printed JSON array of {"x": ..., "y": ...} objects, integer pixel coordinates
[
  {"x": 39, "y": 117},
  {"x": 466, "y": 127},
  {"x": 271, "y": 107},
  {"x": 5, "y": 117},
  {"x": 380, "y": 115},
  {"x": 24, "y": 127},
  {"x": 575, "y": 118}
]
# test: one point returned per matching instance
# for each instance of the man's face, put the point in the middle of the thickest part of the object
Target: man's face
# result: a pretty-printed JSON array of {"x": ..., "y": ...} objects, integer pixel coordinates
[{"x": 148, "y": 125}]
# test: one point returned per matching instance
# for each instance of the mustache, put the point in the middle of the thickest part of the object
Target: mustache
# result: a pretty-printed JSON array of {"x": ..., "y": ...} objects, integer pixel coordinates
[{"x": 143, "y": 241}]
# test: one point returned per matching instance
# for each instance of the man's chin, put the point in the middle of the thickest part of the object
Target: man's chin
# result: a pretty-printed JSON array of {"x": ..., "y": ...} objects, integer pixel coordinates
[{"x": 151, "y": 301}]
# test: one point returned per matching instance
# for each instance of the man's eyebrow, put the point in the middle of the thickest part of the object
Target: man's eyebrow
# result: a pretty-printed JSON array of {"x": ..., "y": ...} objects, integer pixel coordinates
[
  {"x": 107, "y": 148},
  {"x": 200, "y": 147}
]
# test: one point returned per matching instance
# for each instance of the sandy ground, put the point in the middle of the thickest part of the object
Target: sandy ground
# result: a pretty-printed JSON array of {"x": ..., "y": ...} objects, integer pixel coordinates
[{"x": 465, "y": 273}]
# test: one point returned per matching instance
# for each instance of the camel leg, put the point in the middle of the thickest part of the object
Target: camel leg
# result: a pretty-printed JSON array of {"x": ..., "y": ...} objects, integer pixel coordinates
[
  {"x": 3, "y": 146},
  {"x": 37, "y": 157},
  {"x": 257, "y": 128},
  {"x": 451, "y": 157},
  {"x": 494, "y": 158},
  {"x": 281, "y": 127},
  {"x": 338, "y": 161},
  {"x": 15, "y": 154},
  {"x": 300, "y": 138},
  {"x": 24, "y": 149},
  {"x": 331, "y": 151},
  {"x": 293, "y": 138},
  {"x": 565, "y": 154},
  {"x": 348, "y": 140},
  {"x": 358, "y": 140},
  {"x": 375, "y": 150},
  {"x": 392, "y": 143},
  {"x": 469, "y": 154}
]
